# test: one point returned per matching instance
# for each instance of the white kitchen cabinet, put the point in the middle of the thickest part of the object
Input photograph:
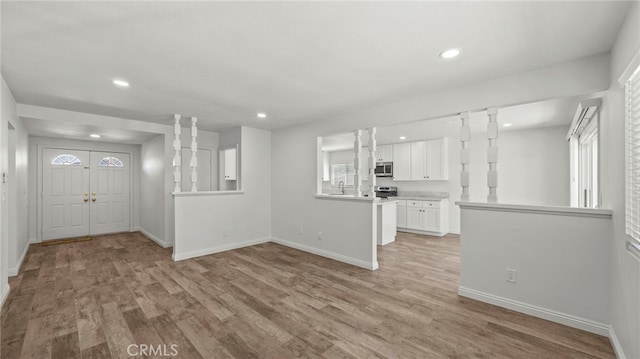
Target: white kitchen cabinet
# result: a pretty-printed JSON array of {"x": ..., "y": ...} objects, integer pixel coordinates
[
  {"x": 418, "y": 160},
  {"x": 401, "y": 221},
  {"x": 402, "y": 162},
  {"x": 415, "y": 219},
  {"x": 230, "y": 164},
  {"x": 421, "y": 160},
  {"x": 431, "y": 219},
  {"x": 437, "y": 159},
  {"x": 424, "y": 216},
  {"x": 384, "y": 153}
]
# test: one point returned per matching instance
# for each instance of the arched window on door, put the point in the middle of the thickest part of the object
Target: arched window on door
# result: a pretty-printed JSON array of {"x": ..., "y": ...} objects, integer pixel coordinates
[
  {"x": 66, "y": 160},
  {"x": 110, "y": 162}
]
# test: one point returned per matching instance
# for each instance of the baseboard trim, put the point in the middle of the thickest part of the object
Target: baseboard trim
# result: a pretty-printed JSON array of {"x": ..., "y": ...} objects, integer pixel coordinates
[
  {"x": 321, "y": 252},
  {"x": 548, "y": 314},
  {"x": 14, "y": 271},
  {"x": 218, "y": 249},
  {"x": 34, "y": 240},
  {"x": 428, "y": 233},
  {"x": 162, "y": 244},
  {"x": 615, "y": 343},
  {"x": 4, "y": 295}
]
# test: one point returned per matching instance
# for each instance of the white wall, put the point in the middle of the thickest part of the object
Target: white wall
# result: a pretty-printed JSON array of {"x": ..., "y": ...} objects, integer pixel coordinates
[
  {"x": 562, "y": 264},
  {"x": 295, "y": 172},
  {"x": 8, "y": 112},
  {"x": 36, "y": 144},
  {"x": 625, "y": 269},
  {"x": 212, "y": 222},
  {"x": 152, "y": 199},
  {"x": 533, "y": 167},
  {"x": 18, "y": 195}
]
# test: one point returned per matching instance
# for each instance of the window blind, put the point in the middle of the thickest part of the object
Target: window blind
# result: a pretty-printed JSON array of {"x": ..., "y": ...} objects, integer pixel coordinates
[{"x": 633, "y": 156}]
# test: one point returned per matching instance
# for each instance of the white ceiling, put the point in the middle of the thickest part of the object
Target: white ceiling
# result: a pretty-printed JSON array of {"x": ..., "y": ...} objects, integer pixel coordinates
[
  {"x": 296, "y": 61},
  {"x": 554, "y": 112},
  {"x": 45, "y": 128}
]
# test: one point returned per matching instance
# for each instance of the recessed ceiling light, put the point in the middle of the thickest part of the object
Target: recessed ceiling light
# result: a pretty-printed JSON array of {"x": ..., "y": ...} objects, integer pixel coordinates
[
  {"x": 403, "y": 137},
  {"x": 506, "y": 125},
  {"x": 262, "y": 115},
  {"x": 121, "y": 83},
  {"x": 94, "y": 135},
  {"x": 450, "y": 53}
]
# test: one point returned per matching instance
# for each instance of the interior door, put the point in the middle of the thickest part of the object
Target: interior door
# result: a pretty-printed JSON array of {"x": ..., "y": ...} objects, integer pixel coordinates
[
  {"x": 109, "y": 192},
  {"x": 65, "y": 193}
]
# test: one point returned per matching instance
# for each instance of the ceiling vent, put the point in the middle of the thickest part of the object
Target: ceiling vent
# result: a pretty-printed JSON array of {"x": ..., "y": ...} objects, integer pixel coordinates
[{"x": 584, "y": 113}]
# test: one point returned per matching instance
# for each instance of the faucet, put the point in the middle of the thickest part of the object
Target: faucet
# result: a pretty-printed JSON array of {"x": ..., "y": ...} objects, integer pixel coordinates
[{"x": 341, "y": 186}]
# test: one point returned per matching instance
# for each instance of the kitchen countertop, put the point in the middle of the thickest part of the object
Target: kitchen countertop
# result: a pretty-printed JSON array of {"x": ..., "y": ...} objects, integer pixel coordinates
[
  {"x": 350, "y": 197},
  {"x": 417, "y": 198}
]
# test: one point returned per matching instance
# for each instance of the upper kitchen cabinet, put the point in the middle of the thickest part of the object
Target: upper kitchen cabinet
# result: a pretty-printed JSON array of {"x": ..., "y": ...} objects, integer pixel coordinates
[
  {"x": 421, "y": 160},
  {"x": 384, "y": 153},
  {"x": 418, "y": 161},
  {"x": 437, "y": 159},
  {"x": 402, "y": 162},
  {"x": 230, "y": 164}
]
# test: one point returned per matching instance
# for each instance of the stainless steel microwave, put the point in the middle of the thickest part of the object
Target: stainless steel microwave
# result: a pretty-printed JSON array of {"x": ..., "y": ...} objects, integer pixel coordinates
[{"x": 384, "y": 169}]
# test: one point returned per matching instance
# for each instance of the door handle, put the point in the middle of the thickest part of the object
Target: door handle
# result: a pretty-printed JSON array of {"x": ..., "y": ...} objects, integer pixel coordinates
[
  {"x": 86, "y": 199},
  {"x": 93, "y": 199}
]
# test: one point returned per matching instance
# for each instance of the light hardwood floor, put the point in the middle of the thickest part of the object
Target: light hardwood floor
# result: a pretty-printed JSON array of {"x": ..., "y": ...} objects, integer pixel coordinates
[{"x": 93, "y": 299}]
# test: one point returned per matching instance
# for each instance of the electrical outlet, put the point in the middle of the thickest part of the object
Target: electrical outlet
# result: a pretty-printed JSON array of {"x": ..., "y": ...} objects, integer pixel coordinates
[
  {"x": 512, "y": 275},
  {"x": 300, "y": 230},
  {"x": 320, "y": 236}
]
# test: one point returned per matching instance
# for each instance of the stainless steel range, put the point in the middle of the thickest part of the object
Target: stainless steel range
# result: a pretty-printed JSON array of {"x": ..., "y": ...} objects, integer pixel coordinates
[{"x": 385, "y": 192}]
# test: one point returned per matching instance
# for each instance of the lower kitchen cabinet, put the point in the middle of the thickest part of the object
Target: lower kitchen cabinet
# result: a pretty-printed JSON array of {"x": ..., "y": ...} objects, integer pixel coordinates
[
  {"x": 424, "y": 216},
  {"x": 415, "y": 219},
  {"x": 401, "y": 220},
  {"x": 431, "y": 218}
]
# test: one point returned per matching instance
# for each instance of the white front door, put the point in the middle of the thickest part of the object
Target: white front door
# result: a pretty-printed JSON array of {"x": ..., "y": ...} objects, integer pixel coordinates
[
  {"x": 109, "y": 192},
  {"x": 65, "y": 194},
  {"x": 84, "y": 193}
]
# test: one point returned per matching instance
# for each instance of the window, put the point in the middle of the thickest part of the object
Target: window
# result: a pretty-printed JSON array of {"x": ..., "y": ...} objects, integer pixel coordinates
[
  {"x": 344, "y": 173},
  {"x": 584, "y": 161},
  {"x": 110, "y": 162},
  {"x": 588, "y": 164},
  {"x": 66, "y": 160},
  {"x": 632, "y": 87}
]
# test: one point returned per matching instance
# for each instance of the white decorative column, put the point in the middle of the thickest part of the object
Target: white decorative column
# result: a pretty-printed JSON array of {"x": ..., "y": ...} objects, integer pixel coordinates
[
  {"x": 492, "y": 154},
  {"x": 372, "y": 162},
  {"x": 194, "y": 155},
  {"x": 177, "y": 157},
  {"x": 357, "y": 148},
  {"x": 465, "y": 138}
]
